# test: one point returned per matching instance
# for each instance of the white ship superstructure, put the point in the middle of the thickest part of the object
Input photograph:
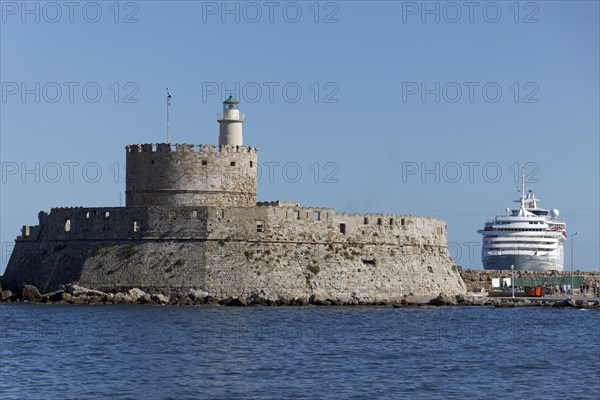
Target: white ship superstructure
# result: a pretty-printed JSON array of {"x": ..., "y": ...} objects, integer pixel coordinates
[{"x": 530, "y": 238}]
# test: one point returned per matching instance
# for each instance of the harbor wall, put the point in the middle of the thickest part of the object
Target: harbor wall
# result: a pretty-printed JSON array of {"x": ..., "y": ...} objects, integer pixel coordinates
[{"x": 479, "y": 279}]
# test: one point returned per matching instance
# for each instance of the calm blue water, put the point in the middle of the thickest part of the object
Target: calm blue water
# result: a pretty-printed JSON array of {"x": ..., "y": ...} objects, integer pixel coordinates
[{"x": 140, "y": 352}]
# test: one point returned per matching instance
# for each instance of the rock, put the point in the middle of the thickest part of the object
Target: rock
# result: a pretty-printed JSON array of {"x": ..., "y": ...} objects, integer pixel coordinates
[
  {"x": 211, "y": 300},
  {"x": 443, "y": 300},
  {"x": 197, "y": 296},
  {"x": 94, "y": 299},
  {"x": 122, "y": 298},
  {"x": 5, "y": 295},
  {"x": 31, "y": 294},
  {"x": 181, "y": 300},
  {"x": 258, "y": 300},
  {"x": 145, "y": 299},
  {"x": 571, "y": 303},
  {"x": 135, "y": 294},
  {"x": 560, "y": 303},
  {"x": 77, "y": 290},
  {"x": 232, "y": 302},
  {"x": 160, "y": 298}
]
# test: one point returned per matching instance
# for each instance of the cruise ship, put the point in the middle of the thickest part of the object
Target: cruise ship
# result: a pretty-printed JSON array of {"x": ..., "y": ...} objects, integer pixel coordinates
[{"x": 530, "y": 238}]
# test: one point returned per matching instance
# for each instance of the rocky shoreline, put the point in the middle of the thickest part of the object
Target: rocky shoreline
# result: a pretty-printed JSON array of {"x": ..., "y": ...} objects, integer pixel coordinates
[{"x": 76, "y": 294}]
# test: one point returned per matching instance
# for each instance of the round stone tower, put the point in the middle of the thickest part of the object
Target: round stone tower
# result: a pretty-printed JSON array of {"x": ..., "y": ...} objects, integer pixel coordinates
[{"x": 194, "y": 175}]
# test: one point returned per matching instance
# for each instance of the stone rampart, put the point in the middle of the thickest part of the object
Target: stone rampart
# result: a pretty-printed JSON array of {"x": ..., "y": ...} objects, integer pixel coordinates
[{"x": 273, "y": 251}]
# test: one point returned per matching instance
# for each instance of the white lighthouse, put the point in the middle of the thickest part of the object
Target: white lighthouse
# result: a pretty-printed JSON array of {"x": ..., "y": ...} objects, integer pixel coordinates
[{"x": 230, "y": 123}]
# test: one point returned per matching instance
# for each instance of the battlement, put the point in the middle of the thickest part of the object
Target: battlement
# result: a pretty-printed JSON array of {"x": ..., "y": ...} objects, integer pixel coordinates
[{"x": 188, "y": 148}]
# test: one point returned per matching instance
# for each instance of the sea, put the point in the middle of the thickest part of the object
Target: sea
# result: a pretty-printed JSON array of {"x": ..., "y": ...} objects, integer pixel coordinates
[{"x": 216, "y": 352}]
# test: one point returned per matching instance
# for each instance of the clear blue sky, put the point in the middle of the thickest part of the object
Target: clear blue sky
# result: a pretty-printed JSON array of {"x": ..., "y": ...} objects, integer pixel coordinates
[{"x": 371, "y": 61}]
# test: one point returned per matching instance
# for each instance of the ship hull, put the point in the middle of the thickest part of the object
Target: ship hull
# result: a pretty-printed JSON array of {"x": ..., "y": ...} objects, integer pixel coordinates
[{"x": 522, "y": 262}]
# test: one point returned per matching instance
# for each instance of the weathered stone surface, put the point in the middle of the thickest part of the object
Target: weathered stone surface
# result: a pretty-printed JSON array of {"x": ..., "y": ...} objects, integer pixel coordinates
[
  {"x": 135, "y": 294},
  {"x": 78, "y": 290},
  {"x": 5, "y": 295},
  {"x": 122, "y": 298},
  {"x": 293, "y": 253},
  {"x": 160, "y": 299},
  {"x": 30, "y": 293},
  {"x": 444, "y": 300},
  {"x": 55, "y": 296}
]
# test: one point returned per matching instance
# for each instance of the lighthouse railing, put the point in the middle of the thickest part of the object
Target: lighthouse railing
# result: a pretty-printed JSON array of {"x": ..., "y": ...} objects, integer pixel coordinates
[{"x": 241, "y": 117}]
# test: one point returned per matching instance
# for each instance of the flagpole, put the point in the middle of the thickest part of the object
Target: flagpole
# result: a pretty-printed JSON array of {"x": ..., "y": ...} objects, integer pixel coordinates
[{"x": 168, "y": 105}]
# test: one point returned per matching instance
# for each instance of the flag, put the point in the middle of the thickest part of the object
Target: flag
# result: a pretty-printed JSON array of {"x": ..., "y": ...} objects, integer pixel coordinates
[{"x": 168, "y": 97}]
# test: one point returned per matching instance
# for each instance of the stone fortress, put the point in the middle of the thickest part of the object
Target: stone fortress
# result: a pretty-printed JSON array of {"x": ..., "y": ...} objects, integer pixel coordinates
[{"x": 191, "y": 221}]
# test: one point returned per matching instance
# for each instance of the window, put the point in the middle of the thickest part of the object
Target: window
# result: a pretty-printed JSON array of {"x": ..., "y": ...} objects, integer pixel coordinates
[
  {"x": 402, "y": 222},
  {"x": 366, "y": 221},
  {"x": 107, "y": 214},
  {"x": 26, "y": 231},
  {"x": 152, "y": 162},
  {"x": 67, "y": 225},
  {"x": 343, "y": 228},
  {"x": 232, "y": 163},
  {"x": 260, "y": 226},
  {"x": 204, "y": 162},
  {"x": 87, "y": 215},
  {"x": 379, "y": 221},
  {"x": 298, "y": 214},
  {"x": 251, "y": 164},
  {"x": 317, "y": 216},
  {"x": 136, "y": 226},
  {"x": 391, "y": 221}
]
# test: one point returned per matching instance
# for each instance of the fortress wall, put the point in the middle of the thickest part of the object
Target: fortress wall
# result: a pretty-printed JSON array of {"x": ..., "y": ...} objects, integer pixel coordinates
[
  {"x": 223, "y": 251},
  {"x": 190, "y": 175},
  {"x": 323, "y": 225},
  {"x": 297, "y": 258}
]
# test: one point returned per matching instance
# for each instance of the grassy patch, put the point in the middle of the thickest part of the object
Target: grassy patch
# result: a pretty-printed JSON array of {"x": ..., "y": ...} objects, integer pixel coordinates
[
  {"x": 315, "y": 269},
  {"x": 97, "y": 250}
]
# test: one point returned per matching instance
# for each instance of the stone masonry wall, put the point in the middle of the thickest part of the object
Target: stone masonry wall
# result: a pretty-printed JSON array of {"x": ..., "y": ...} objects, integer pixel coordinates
[
  {"x": 478, "y": 279},
  {"x": 188, "y": 175},
  {"x": 275, "y": 250}
]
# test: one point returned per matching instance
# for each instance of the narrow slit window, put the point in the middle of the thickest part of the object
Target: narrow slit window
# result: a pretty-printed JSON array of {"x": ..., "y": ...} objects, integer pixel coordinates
[
  {"x": 379, "y": 221},
  {"x": 87, "y": 215},
  {"x": 343, "y": 228},
  {"x": 136, "y": 226},
  {"x": 298, "y": 214},
  {"x": 391, "y": 221},
  {"x": 366, "y": 221},
  {"x": 402, "y": 222},
  {"x": 317, "y": 216},
  {"x": 67, "y": 225},
  {"x": 251, "y": 164}
]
